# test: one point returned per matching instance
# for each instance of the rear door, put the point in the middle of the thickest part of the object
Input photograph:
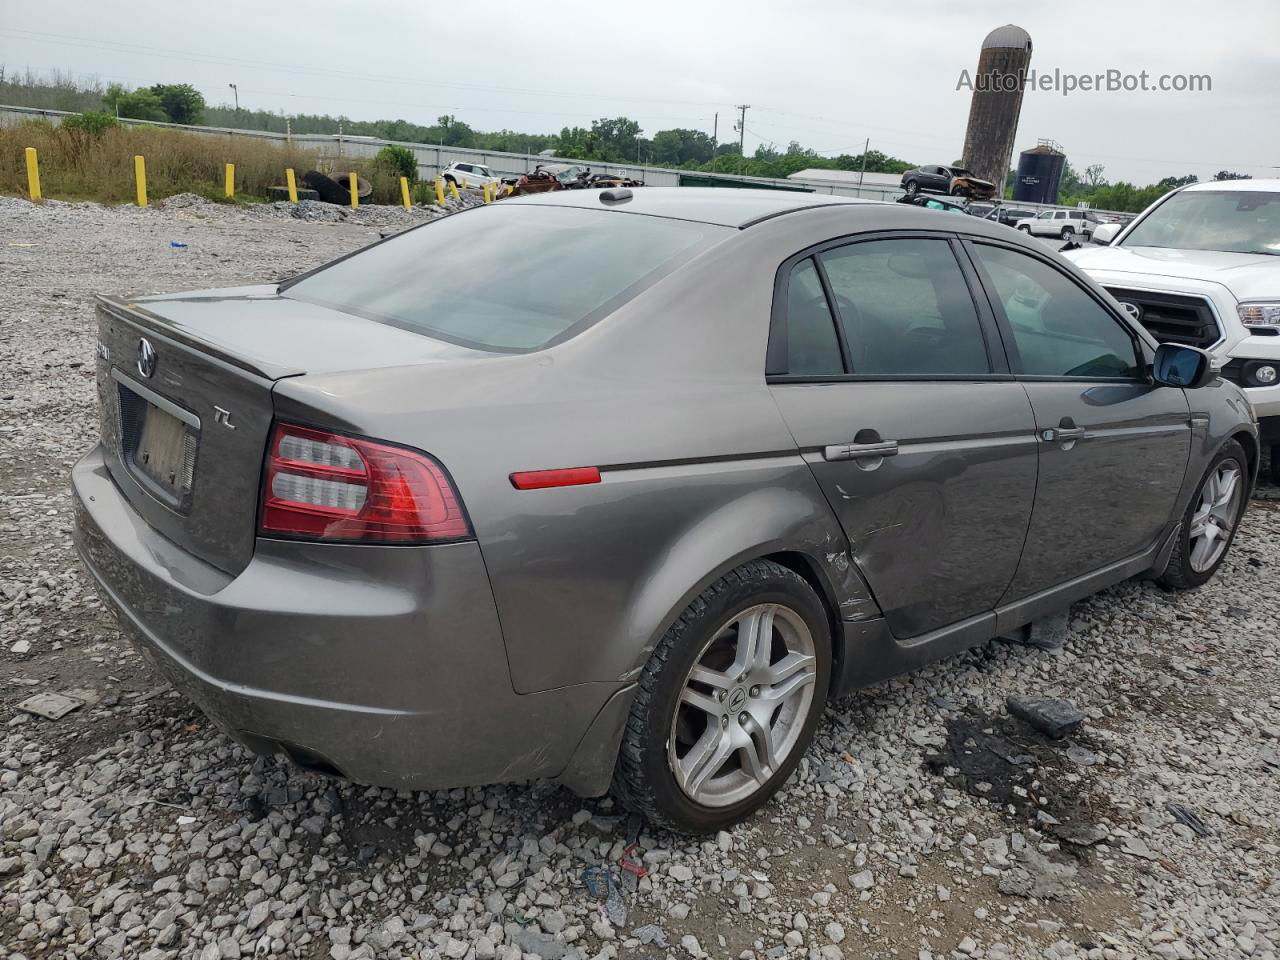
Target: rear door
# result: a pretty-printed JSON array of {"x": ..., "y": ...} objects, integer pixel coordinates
[
  {"x": 1113, "y": 446},
  {"x": 920, "y": 439}
]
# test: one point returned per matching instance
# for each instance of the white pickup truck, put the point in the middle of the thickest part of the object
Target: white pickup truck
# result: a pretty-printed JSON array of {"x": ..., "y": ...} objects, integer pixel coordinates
[{"x": 1201, "y": 266}]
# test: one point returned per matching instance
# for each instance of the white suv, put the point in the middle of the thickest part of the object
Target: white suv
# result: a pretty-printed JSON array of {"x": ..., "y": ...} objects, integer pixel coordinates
[
  {"x": 469, "y": 174},
  {"x": 1201, "y": 266},
  {"x": 1067, "y": 224}
]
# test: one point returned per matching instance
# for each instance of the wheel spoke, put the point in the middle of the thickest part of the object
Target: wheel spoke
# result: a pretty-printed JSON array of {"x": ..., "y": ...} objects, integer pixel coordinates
[
  {"x": 711, "y": 678},
  {"x": 1198, "y": 524},
  {"x": 789, "y": 665},
  {"x": 755, "y": 639},
  {"x": 702, "y": 701},
  {"x": 1227, "y": 482},
  {"x": 1203, "y": 548},
  {"x": 758, "y": 756},
  {"x": 705, "y": 758}
]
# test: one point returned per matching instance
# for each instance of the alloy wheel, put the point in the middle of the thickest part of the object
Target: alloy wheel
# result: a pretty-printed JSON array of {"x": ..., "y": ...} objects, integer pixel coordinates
[
  {"x": 743, "y": 705},
  {"x": 1215, "y": 515}
]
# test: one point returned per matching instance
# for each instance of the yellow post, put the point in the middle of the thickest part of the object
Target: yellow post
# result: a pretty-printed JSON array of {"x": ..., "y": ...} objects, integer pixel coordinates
[
  {"x": 488, "y": 198},
  {"x": 33, "y": 174},
  {"x": 140, "y": 179},
  {"x": 404, "y": 191},
  {"x": 439, "y": 191},
  {"x": 464, "y": 183},
  {"x": 231, "y": 180},
  {"x": 293, "y": 185},
  {"x": 453, "y": 188},
  {"x": 355, "y": 196}
]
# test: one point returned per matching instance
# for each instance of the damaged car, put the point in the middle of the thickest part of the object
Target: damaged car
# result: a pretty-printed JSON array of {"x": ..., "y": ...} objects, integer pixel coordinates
[
  {"x": 954, "y": 181},
  {"x": 631, "y": 519}
]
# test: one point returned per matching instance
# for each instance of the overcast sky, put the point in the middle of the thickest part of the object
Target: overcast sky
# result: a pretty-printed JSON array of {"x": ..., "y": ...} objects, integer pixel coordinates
[{"x": 827, "y": 73}]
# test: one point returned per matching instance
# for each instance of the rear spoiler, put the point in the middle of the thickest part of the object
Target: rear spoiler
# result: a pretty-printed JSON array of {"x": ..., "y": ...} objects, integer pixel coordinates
[{"x": 131, "y": 313}]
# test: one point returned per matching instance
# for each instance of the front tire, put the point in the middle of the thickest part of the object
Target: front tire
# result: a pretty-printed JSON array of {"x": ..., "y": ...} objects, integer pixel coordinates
[
  {"x": 1025, "y": 229},
  {"x": 728, "y": 701},
  {"x": 1210, "y": 522},
  {"x": 1275, "y": 463},
  {"x": 912, "y": 188}
]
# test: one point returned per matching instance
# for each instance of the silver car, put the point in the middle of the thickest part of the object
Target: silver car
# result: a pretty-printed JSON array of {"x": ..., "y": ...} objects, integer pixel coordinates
[{"x": 630, "y": 512}]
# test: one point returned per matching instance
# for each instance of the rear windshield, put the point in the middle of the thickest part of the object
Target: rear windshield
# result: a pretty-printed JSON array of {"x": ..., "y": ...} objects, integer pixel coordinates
[{"x": 507, "y": 277}]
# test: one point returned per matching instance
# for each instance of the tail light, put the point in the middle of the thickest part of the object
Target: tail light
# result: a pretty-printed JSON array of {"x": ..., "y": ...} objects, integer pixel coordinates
[{"x": 325, "y": 486}]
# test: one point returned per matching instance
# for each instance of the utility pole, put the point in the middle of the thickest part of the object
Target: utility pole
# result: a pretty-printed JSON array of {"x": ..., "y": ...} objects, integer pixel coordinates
[
  {"x": 863, "y": 172},
  {"x": 715, "y": 132},
  {"x": 236, "y": 91},
  {"x": 742, "y": 126}
]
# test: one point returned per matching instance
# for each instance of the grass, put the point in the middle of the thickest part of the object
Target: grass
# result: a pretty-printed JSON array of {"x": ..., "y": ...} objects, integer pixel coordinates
[{"x": 76, "y": 165}]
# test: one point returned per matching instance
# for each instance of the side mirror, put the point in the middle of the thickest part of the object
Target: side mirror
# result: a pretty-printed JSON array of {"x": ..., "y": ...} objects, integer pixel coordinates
[
  {"x": 1181, "y": 366},
  {"x": 1104, "y": 233}
]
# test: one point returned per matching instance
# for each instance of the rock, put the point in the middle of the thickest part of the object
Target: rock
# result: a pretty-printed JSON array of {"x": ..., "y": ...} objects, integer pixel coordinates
[
  {"x": 545, "y": 945},
  {"x": 1054, "y": 718},
  {"x": 834, "y": 932},
  {"x": 863, "y": 881}
]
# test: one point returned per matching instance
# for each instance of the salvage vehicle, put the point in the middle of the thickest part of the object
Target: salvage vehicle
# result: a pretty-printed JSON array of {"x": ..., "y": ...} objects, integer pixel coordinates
[
  {"x": 1066, "y": 224},
  {"x": 634, "y": 525},
  {"x": 934, "y": 203},
  {"x": 468, "y": 174},
  {"x": 546, "y": 177},
  {"x": 1201, "y": 266},
  {"x": 956, "y": 181}
]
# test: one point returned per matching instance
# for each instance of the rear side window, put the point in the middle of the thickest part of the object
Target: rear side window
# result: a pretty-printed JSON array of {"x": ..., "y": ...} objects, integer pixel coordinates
[
  {"x": 507, "y": 277},
  {"x": 812, "y": 347},
  {"x": 905, "y": 309},
  {"x": 1058, "y": 329}
]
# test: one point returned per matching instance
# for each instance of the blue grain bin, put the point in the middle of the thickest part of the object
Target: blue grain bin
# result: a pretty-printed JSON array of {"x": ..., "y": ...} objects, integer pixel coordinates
[{"x": 1039, "y": 173}]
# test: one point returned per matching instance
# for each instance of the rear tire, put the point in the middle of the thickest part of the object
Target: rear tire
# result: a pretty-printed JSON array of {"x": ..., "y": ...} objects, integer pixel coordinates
[
  {"x": 1025, "y": 229},
  {"x": 1067, "y": 233},
  {"x": 912, "y": 188},
  {"x": 1275, "y": 463},
  {"x": 1210, "y": 522},
  {"x": 710, "y": 692}
]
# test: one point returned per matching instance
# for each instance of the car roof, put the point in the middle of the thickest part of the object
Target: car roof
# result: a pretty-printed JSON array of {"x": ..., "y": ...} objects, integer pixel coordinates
[
  {"x": 1266, "y": 185},
  {"x": 719, "y": 205}
]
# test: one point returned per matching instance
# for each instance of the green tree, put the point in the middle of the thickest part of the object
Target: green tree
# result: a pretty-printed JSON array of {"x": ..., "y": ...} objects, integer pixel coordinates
[
  {"x": 1228, "y": 175},
  {"x": 1172, "y": 183},
  {"x": 398, "y": 161},
  {"x": 135, "y": 104},
  {"x": 616, "y": 139},
  {"x": 182, "y": 102},
  {"x": 680, "y": 146},
  {"x": 89, "y": 123}
]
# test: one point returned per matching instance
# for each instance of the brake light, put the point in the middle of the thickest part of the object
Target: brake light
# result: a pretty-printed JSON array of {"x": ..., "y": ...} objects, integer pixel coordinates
[{"x": 325, "y": 486}]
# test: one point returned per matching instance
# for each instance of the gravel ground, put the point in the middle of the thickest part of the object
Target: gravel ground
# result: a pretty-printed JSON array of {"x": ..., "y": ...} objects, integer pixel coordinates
[{"x": 924, "y": 823}]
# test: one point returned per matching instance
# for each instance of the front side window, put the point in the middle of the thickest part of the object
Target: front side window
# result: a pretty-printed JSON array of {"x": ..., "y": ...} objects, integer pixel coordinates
[
  {"x": 1234, "y": 221},
  {"x": 905, "y": 309},
  {"x": 1058, "y": 329}
]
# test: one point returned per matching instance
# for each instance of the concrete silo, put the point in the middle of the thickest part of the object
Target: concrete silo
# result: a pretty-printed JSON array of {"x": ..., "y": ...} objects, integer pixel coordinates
[{"x": 996, "y": 103}]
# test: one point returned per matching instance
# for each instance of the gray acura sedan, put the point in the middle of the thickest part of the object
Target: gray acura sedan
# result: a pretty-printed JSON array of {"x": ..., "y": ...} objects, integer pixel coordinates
[{"x": 628, "y": 513}]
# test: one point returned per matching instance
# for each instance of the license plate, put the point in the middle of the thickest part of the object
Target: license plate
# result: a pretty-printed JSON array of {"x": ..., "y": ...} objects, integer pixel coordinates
[
  {"x": 161, "y": 450},
  {"x": 158, "y": 447}
]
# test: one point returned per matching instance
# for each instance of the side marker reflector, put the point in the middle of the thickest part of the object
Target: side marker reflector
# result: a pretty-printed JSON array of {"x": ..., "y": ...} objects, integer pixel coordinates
[{"x": 539, "y": 479}]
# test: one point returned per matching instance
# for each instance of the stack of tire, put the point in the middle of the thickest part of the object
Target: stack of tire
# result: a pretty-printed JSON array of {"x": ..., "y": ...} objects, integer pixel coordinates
[{"x": 333, "y": 191}]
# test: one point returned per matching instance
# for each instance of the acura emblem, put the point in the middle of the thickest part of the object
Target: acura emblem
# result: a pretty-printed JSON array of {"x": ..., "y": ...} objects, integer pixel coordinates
[
  {"x": 1132, "y": 309},
  {"x": 737, "y": 698},
  {"x": 146, "y": 357}
]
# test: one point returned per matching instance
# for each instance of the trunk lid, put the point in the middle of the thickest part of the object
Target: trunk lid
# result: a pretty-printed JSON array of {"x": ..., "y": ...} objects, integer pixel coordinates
[{"x": 185, "y": 393}]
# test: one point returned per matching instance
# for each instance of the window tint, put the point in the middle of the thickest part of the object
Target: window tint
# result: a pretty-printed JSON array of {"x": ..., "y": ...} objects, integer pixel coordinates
[
  {"x": 1059, "y": 330},
  {"x": 812, "y": 347},
  {"x": 425, "y": 280},
  {"x": 906, "y": 309}
]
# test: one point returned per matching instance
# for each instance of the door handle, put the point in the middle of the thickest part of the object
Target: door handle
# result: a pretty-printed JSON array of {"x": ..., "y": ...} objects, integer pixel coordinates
[
  {"x": 860, "y": 451},
  {"x": 1061, "y": 434}
]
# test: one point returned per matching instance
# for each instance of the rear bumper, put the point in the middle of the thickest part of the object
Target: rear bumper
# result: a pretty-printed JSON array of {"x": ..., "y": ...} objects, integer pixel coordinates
[{"x": 383, "y": 664}]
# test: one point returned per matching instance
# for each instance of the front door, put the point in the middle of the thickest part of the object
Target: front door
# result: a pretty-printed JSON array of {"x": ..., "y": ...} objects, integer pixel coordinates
[
  {"x": 1113, "y": 446},
  {"x": 923, "y": 445}
]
